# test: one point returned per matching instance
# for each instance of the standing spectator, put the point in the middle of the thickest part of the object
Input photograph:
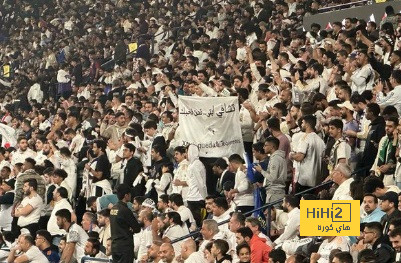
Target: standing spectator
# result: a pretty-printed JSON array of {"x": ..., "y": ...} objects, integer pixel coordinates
[
  {"x": 75, "y": 239},
  {"x": 6, "y": 204},
  {"x": 376, "y": 132},
  {"x": 196, "y": 180},
  {"x": 276, "y": 173},
  {"x": 242, "y": 194},
  {"x": 180, "y": 185},
  {"x": 307, "y": 154},
  {"x": 103, "y": 219},
  {"x": 60, "y": 197},
  {"x": 23, "y": 151},
  {"x": 385, "y": 163},
  {"x": 28, "y": 212},
  {"x": 123, "y": 225}
]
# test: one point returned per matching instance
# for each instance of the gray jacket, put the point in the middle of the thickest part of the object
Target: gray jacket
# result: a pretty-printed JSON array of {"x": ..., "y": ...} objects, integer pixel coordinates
[{"x": 276, "y": 173}]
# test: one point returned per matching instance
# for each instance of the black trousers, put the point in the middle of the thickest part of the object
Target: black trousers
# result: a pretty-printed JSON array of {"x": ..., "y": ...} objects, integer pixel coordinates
[
  {"x": 123, "y": 257},
  {"x": 196, "y": 208},
  {"x": 299, "y": 188}
]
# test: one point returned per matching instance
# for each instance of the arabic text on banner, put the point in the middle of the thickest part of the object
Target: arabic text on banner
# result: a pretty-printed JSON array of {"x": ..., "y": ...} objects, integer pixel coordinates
[{"x": 212, "y": 124}]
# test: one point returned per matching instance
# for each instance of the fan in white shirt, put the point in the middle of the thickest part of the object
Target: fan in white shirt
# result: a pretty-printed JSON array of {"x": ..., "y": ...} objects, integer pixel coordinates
[
  {"x": 189, "y": 253},
  {"x": 342, "y": 176},
  {"x": 177, "y": 204}
]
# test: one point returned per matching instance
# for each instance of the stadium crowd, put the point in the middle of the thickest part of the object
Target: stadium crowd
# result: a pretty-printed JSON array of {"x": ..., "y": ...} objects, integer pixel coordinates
[{"x": 92, "y": 162}]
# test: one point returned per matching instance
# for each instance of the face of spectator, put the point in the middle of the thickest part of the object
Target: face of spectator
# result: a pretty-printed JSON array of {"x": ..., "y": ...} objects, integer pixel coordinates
[
  {"x": 334, "y": 131},
  {"x": 386, "y": 206},
  {"x": 348, "y": 24},
  {"x": 89, "y": 248},
  {"x": 27, "y": 189},
  {"x": 121, "y": 120},
  {"x": 208, "y": 256},
  {"x": 167, "y": 253},
  {"x": 23, "y": 145},
  {"x": 390, "y": 128},
  {"x": 108, "y": 248},
  {"x": 86, "y": 223},
  {"x": 136, "y": 206},
  {"x": 127, "y": 154},
  {"x": 369, "y": 236},
  {"x": 237, "y": 83},
  {"x": 245, "y": 255},
  {"x": 396, "y": 243},
  {"x": 369, "y": 204},
  {"x": 209, "y": 205},
  {"x": 239, "y": 238},
  {"x": 153, "y": 251},
  {"x": 179, "y": 157}
]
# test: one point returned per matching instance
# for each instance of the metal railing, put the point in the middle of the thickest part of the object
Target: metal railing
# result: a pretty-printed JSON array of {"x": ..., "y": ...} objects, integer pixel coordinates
[
  {"x": 268, "y": 206},
  {"x": 343, "y": 6},
  {"x": 91, "y": 259}
]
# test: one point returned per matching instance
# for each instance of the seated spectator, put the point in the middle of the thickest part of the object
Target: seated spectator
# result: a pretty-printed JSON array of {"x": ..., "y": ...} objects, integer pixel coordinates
[
  {"x": 92, "y": 249},
  {"x": 219, "y": 251},
  {"x": 167, "y": 253},
  {"x": 259, "y": 250},
  {"x": 189, "y": 252},
  {"x": 277, "y": 256},
  {"x": 389, "y": 205},
  {"x": 342, "y": 257},
  {"x": 290, "y": 206},
  {"x": 244, "y": 253},
  {"x": 44, "y": 242},
  {"x": 30, "y": 252},
  {"x": 372, "y": 212},
  {"x": 342, "y": 176}
]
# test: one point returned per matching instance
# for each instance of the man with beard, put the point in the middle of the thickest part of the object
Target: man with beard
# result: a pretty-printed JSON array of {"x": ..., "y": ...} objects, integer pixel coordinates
[
  {"x": 359, "y": 105},
  {"x": 314, "y": 80},
  {"x": 307, "y": 154},
  {"x": 372, "y": 211},
  {"x": 347, "y": 113},
  {"x": 290, "y": 206},
  {"x": 103, "y": 220},
  {"x": 145, "y": 219},
  {"x": 363, "y": 77},
  {"x": 393, "y": 97},
  {"x": 60, "y": 197},
  {"x": 376, "y": 132},
  {"x": 384, "y": 165},
  {"x": 23, "y": 151},
  {"x": 373, "y": 237},
  {"x": 28, "y": 212}
]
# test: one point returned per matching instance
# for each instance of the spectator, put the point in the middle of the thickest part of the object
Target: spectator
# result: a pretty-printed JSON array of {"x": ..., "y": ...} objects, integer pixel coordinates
[
  {"x": 372, "y": 212},
  {"x": 389, "y": 205},
  {"x": 259, "y": 250},
  {"x": 76, "y": 237},
  {"x": 342, "y": 176},
  {"x": 31, "y": 253},
  {"x": 290, "y": 206},
  {"x": 44, "y": 242},
  {"x": 28, "y": 212}
]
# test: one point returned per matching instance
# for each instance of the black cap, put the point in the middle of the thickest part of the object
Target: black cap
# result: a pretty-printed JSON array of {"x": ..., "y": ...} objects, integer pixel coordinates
[{"x": 392, "y": 197}]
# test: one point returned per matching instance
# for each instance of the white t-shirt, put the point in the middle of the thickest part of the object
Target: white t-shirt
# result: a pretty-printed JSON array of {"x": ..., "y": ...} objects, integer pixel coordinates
[
  {"x": 37, "y": 203},
  {"x": 78, "y": 236},
  {"x": 326, "y": 247},
  {"x": 52, "y": 226},
  {"x": 174, "y": 232},
  {"x": 312, "y": 146},
  {"x": 35, "y": 255},
  {"x": 185, "y": 214}
]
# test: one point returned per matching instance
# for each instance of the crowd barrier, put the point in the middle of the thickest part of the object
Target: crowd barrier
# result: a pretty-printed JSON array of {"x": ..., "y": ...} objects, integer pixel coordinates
[
  {"x": 268, "y": 206},
  {"x": 90, "y": 259}
]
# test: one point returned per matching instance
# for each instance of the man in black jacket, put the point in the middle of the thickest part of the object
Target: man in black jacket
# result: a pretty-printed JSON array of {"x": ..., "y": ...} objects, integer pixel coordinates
[
  {"x": 123, "y": 225},
  {"x": 133, "y": 165},
  {"x": 376, "y": 132},
  {"x": 372, "y": 235}
]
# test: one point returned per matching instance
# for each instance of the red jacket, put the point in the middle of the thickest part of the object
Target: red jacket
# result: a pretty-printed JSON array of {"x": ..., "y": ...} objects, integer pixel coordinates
[{"x": 259, "y": 250}]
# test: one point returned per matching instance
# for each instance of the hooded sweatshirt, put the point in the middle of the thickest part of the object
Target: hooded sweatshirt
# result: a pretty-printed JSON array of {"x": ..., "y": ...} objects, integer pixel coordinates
[
  {"x": 276, "y": 173},
  {"x": 196, "y": 176}
]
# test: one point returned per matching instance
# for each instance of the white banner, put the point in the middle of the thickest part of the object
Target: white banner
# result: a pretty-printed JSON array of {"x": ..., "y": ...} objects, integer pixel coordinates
[{"x": 212, "y": 124}]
